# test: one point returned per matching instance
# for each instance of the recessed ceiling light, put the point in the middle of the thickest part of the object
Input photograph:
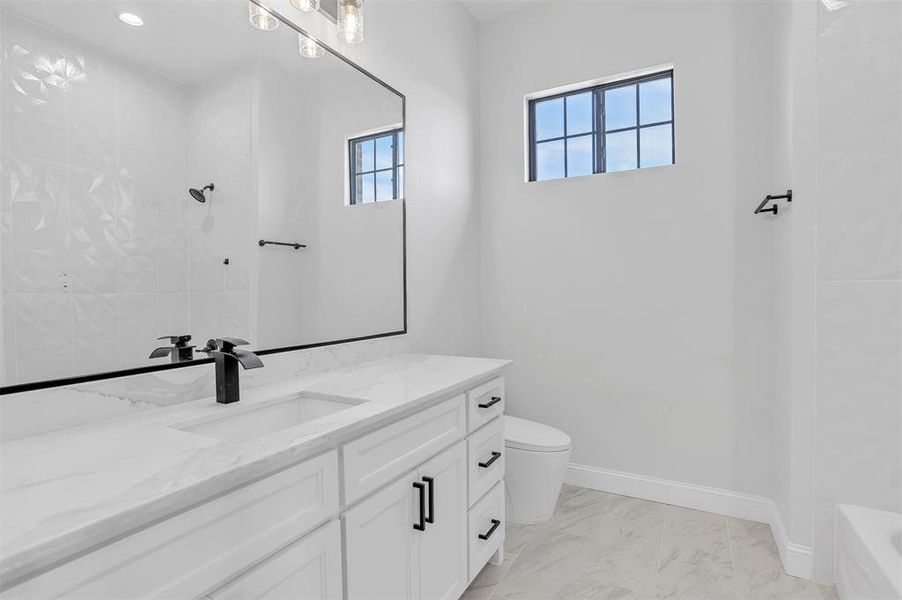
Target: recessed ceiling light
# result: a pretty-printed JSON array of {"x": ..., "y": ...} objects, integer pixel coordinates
[{"x": 131, "y": 19}]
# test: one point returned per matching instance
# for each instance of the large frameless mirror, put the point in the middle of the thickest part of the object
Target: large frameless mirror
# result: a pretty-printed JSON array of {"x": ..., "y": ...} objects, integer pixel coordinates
[{"x": 175, "y": 170}]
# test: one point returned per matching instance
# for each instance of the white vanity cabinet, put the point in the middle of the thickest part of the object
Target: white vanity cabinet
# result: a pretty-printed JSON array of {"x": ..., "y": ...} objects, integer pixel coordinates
[
  {"x": 410, "y": 510},
  {"x": 408, "y": 540},
  {"x": 309, "y": 568}
]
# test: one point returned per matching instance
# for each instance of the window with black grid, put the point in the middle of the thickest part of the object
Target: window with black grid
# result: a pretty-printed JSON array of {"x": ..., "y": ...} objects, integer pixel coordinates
[{"x": 616, "y": 126}]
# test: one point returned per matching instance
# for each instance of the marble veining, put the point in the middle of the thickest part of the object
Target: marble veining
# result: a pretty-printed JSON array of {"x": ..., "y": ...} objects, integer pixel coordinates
[
  {"x": 33, "y": 413},
  {"x": 68, "y": 490},
  {"x": 602, "y": 546}
]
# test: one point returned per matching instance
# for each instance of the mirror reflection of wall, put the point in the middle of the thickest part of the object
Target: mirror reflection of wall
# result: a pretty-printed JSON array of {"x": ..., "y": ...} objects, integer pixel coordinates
[{"x": 104, "y": 249}]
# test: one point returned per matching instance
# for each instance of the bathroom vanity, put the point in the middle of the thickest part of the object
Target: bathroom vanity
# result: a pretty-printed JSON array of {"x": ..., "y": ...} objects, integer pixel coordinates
[{"x": 380, "y": 480}]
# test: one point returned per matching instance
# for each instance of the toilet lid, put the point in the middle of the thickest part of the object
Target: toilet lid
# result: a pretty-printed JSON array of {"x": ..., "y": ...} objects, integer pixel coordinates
[{"x": 529, "y": 435}]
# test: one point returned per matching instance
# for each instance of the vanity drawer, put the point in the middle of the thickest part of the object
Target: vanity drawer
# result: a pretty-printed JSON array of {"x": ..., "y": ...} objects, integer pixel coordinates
[
  {"x": 189, "y": 554},
  {"x": 387, "y": 453},
  {"x": 484, "y": 403},
  {"x": 485, "y": 455},
  {"x": 485, "y": 520}
]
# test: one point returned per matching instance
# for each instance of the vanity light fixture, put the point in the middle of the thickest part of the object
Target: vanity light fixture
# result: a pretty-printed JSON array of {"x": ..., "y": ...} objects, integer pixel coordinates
[
  {"x": 306, "y": 5},
  {"x": 131, "y": 19},
  {"x": 350, "y": 20},
  {"x": 309, "y": 48},
  {"x": 261, "y": 18}
]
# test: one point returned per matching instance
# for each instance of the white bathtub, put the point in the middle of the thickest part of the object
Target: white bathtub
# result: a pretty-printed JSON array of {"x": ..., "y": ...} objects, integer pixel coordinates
[{"x": 868, "y": 553}]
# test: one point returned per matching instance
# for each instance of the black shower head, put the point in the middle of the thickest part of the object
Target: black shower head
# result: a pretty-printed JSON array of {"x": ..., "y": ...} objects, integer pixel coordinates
[{"x": 200, "y": 194}]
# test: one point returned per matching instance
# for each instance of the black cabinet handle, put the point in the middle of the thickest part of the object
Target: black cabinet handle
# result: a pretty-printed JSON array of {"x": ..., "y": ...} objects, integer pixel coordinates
[
  {"x": 488, "y": 463},
  {"x": 488, "y": 534},
  {"x": 421, "y": 487},
  {"x": 495, "y": 400},
  {"x": 430, "y": 484}
]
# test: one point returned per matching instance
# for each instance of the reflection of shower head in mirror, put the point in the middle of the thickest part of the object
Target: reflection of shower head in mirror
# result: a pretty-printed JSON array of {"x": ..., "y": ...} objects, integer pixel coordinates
[{"x": 200, "y": 194}]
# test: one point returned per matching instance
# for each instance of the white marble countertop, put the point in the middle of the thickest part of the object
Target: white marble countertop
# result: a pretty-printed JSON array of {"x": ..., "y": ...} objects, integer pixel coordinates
[{"x": 67, "y": 491}]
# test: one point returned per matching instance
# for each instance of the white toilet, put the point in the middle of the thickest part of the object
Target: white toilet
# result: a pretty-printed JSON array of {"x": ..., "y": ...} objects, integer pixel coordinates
[{"x": 535, "y": 463}]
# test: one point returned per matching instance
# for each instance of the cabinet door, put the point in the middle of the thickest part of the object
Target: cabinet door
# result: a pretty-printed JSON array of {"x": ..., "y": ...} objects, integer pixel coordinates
[
  {"x": 381, "y": 548},
  {"x": 443, "y": 545},
  {"x": 309, "y": 569}
]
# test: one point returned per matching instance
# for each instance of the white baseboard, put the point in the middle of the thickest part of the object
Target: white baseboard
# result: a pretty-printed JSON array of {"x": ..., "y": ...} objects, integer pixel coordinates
[{"x": 797, "y": 560}]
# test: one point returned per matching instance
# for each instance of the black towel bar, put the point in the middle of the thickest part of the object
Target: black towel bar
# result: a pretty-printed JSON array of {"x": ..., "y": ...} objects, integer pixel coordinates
[{"x": 294, "y": 245}]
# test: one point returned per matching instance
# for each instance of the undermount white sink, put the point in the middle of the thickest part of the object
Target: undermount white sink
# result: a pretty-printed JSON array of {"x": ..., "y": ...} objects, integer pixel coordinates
[{"x": 248, "y": 424}]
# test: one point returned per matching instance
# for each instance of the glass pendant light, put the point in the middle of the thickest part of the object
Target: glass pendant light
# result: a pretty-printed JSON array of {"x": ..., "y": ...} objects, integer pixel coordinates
[
  {"x": 350, "y": 20},
  {"x": 309, "y": 48},
  {"x": 261, "y": 18},
  {"x": 306, "y": 5}
]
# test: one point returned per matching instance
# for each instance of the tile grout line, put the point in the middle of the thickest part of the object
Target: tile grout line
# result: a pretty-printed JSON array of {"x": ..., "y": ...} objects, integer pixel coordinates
[{"x": 732, "y": 559}]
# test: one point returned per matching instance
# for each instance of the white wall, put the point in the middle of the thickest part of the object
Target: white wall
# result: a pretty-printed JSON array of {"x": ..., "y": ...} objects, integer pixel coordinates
[{"x": 638, "y": 306}]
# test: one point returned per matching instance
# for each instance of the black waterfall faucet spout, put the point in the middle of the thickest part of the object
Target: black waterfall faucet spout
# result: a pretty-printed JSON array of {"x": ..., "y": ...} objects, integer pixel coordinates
[
  {"x": 178, "y": 352},
  {"x": 227, "y": 357}
]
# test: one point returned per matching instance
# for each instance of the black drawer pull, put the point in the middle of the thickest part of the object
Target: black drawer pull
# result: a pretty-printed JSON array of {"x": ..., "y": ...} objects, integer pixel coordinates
[
  {"x": 421, "y": 487},
  {"x": 488, "y": 463},
  {"x": 488, "y": 534},
  {"x": 495, "y": 400},
  {"x": 430, "y": 483}
]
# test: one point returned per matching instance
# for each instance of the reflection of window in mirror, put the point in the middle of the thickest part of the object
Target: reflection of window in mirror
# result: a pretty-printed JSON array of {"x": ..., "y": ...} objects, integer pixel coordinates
[{"x": 376, "y": 167}]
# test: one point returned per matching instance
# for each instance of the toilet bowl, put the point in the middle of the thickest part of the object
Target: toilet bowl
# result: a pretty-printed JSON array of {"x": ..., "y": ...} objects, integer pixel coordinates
[{"x": 536, "y": 458}]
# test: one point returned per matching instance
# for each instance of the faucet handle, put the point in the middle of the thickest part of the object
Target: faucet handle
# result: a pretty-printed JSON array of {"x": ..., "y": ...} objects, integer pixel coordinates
[
  {"x": 226, "y": 345},
  {"x": 179, "y": 341}
]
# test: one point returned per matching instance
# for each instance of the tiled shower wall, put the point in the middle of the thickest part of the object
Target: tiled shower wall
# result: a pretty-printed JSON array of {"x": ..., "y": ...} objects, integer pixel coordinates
[
  {"x": 102, "y": 249},
  {"x": 858, "y": 459}
]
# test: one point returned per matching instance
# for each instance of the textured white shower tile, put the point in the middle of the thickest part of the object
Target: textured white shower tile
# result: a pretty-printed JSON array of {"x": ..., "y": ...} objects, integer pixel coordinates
[
  {"x": 92, "y": 126},
  {"x": 172, "y": 269},
  {"x": 206, "y": 273},
  {"x": 96, "y": 233},
  {"x": 8, "y": 340},
  {"x": 858, "y": 417},
  {"x": 172, "y": 316},
  {"x": 43, "y": 336},
  {"x": 852, "y": 25},
  {"x": 138, "y": 328},
  {"x": 237, "y": 315},
  {"x": 7, "y": 240},
  {"x": 38, "y": 75},
  {"x": 137, "y": 216},
  {"x": 208, "y": 310},
  {"x": 237, "y": 272},
  {"x": 95, "y": 333},
  {"x": 171, "y": 208},
  {"x": 860, "y": 209},
  {"x": 39, "y": 221}
]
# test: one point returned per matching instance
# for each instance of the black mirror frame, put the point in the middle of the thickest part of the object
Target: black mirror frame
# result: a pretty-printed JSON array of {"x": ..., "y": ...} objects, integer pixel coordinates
[{"x": 79, "y": 379}]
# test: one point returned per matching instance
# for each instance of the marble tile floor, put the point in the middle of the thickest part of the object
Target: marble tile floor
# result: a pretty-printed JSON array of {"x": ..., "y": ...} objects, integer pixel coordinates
[{"x": 600, "y": 546}]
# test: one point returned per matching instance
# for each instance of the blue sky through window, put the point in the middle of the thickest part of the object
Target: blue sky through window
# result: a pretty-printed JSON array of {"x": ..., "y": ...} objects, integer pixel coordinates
[{"x": 612, "y": 127}]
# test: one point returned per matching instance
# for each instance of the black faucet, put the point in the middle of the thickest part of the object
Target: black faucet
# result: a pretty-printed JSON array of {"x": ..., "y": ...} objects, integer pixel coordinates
[
  {"x": 178, "y": 352},
  {"x": 227, "y": 358}
]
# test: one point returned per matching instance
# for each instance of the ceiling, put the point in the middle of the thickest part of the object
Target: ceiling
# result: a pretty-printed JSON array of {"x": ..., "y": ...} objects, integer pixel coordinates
[
  {"x": 485, "y": 10},
  {"x": 187, "y": 41}
]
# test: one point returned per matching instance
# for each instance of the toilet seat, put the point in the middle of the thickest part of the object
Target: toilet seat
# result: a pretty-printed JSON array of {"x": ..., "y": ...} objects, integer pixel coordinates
[{"x": 521, "y": 434}]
